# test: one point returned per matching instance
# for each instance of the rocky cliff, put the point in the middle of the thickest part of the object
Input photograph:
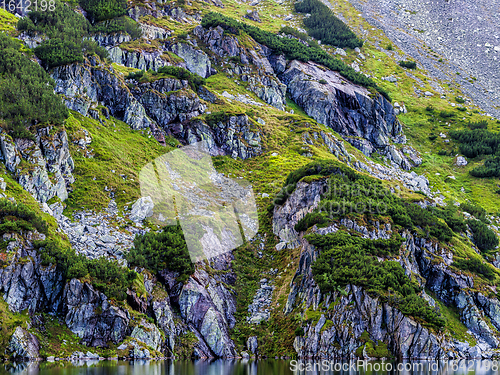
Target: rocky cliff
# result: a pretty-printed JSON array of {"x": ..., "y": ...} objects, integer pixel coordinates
[
  {"x": 42, "y": 166},
  {"x": 198, "y": 317},
  {"x": 202, "y": 308},
  {"x": 345, "y": 316}
]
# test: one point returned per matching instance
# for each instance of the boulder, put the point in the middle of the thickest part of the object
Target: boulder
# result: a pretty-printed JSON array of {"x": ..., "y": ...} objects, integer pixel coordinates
[
  {"x": 148, "y": 334},
  {"x": 252, "y": 345},
  {"x": 196, "y": 60},
  {"x": 253, "y": 15},
  {"x": 91, "y": 317},
  {"x": 461, "y": 161},
  {"x": 23, "y": 345},
  {"x": 142, "y": 209}
]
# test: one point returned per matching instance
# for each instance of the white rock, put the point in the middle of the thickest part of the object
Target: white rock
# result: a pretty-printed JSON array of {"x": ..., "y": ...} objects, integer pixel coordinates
[
  {"x": 142, "y": 209},
  {"x": 461, "y": 161}
]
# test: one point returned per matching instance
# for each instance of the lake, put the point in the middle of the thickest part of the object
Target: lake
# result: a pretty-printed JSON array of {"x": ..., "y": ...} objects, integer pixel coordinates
[{"x": 261, "y": 367}]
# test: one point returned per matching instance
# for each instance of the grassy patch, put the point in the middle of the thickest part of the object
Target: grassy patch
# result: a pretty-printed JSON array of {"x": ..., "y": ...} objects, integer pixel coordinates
[
  {"x": 119, "y": 154},
  {"x": 7, "y": 21}
]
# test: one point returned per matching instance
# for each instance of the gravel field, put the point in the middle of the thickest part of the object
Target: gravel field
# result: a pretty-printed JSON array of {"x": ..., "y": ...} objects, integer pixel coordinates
[{"x": 466, "y": 33}]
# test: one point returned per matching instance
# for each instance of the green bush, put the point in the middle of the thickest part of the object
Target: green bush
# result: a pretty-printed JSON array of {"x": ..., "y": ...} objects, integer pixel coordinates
[
  {"x": 446, "y": 114},
  {"x": 90, "y": 47},
  {"x": 491, "y": 168},
  {"x": 408, "y": 64},
  {"x": 106, "y": 275},
  {"x": 477, "y": 142},
  {"x": 194, "y": 80},
  {"x": 323, "y": 25},
  {"x": 484, "y": 238},
  {"x": 292, "y": 48},
  {"x": 63, "y": 23},
  {"x": 163, "y": 250},
  {"x": 100, "y": 10},
  {"x": 135, "y": 75},
  {"x": 311, "y": 219},
  {"x": 26, "y": 92},
  {"x": 66, "y": 30},
  {"x": 19, "y": 215},
  {"x": 345, "y": 259},
  {"x": 350, "y": 194},
  {"x": 477, "y": 211},
  {"x": 452, "y": 217},
  {"x": 214, "y": 118},
  {"x": 122, "y": 24},
  {"x": 478, "y": 125},
  {"x": 302, "y": 36},
  {"x": 55, "y": 52},
  {"x": 477, "y": 266}
]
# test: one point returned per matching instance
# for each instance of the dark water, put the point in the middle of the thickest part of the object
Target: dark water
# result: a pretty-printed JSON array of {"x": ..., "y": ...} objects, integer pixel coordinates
[{"x": 261, "y": 367}]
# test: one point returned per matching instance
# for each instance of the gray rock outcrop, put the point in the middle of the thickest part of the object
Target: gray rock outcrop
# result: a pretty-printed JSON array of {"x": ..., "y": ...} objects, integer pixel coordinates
[
  {"x": 23, "y": 345},
  {"x": 346, "y": 108},
  {"x": 337, "y": 333},
  {"x": 91, "y": 317},
  {"x": 48, "y": 166}
]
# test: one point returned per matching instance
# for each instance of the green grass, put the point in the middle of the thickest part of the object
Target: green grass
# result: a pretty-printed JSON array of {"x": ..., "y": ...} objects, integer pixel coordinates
[
  {"x": 8, "y": 21},
  {"x": 116, "y": 148},
  {"x": 8, "y": 323},
  {"x": 419, "y": 124},
  {"x": 453, "y": 324}
]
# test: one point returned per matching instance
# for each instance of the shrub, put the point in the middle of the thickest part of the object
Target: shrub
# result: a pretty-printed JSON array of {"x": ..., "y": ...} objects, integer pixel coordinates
[
  {"x": 16, "y": 217},
  {"x": 292, "y": 48},
  {"x": 297, "y": 34},
  {"x": 446, "y": 114},
  {"x": 55, "y": 52},
  {"x": 214, "y": 118},
  {"x": 100, "y": 10},
  {"x": 389, "y": 47},
  {"x": 194, "y": 80},
  {"x": 408, "y": 64},
  {"x": 110, "y": 278},
  {"x": 105, "y": 275},
  {"x": 323, "y": 25},
  {"x": 476, "y": 142},
  {"x": 475, "y": 265},
  {"x": 459, "y": 99},
  {"x": 477, "y": 211},
  {"x": 309, "y": 220},
  {"x": 90, "y": 47},
  {"x": 163, "y": 250},
  {"x": 452, "y": 217},
  {"x": 122, "y": 24},
  {"x": 323, "y": 81},
  {"x": 349, "y": 260},
  {"x": 352, "y": 194},
  {"x": 135, "y": 75},
  {"x": 26, "y": 92},
  {"x": 67, "y": 30},
  {"x": 491, "y": 168},
  {"x": 484, "y": 238},
  {"x": 299, "y": 331},
  {"x": 63, "y": 23}
]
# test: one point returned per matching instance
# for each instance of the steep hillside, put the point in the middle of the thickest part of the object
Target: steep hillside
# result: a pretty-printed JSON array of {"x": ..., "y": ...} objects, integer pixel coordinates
[{"x": 376, "y": 186}]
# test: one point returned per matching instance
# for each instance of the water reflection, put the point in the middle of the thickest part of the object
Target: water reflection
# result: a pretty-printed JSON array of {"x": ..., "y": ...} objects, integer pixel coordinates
[{"x": 261, "y": 367}]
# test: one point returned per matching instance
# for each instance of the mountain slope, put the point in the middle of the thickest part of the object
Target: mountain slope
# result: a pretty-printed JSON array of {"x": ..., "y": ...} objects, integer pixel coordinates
[{"x": 295, "y": 119}]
